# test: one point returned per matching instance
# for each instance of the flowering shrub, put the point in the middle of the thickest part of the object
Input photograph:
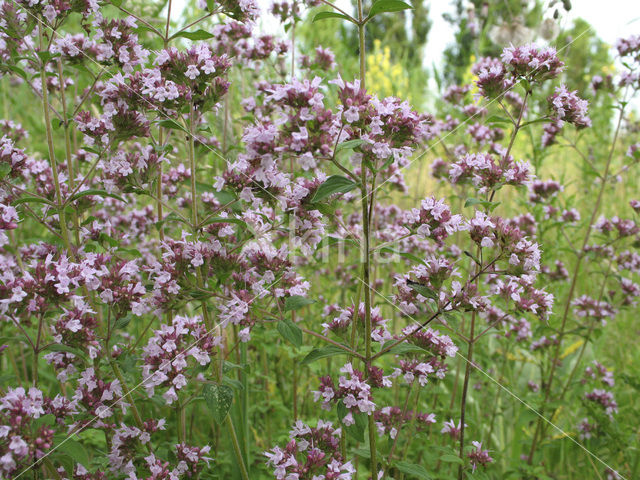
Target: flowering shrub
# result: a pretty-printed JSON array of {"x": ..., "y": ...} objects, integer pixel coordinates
[{"x": 169, "y": 220}]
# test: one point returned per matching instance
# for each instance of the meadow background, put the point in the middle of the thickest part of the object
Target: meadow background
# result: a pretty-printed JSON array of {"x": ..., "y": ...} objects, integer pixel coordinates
[{"x": 270, "y": 377}]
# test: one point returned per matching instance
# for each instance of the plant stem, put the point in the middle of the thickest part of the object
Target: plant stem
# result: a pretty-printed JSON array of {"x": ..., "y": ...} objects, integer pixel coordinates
[
  {"x": 67, "y": 145},
  {"x": 192, "y": 166},
  {"x": 404, "y": 412},
  {"x": 366, "y": 266},
  {"x": 127, "y": 393},
  {"x": 467, "y": 370},
  {"x": 180, "y": 414},
  {"x": 236, "y": 448},
  {"x": 465, "y": 388},
  {"x": 574, "y": 280},
  {"x": 362, "y": 46},
  {"x": 50, "y": 147}
]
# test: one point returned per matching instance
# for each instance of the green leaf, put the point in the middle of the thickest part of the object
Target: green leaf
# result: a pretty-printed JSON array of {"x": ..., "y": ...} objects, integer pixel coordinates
[
  {"x": 333, "y": 184},
  {"x": 406, "y": 255},
  {"x": 472, "y": 257},
  {"x": 18, "y": 71},
  {"x": 324, "y": 352},
  {"x": 469, "y": 202},
  {"x": 362, "y": 452},
  {"x": 413, "y": 470},
  {"x": 171, "y": 124},
  {"x": 59, "y": 347},
  {"x": 357, "y": 429},
  {"x": 209, "y": 221},
  {"x": 537, "y": 120},
  {"x": 97, "y": 193},
  {"x": 130, "y": 251},
  {"x": 5, "y": 169},
  {"x": 46, "y": 56},
  {"x": 122, "y": 322},
  {"x": 32, "y": 200},
  {"x": 498, "y": 119},
  {"x": 382, "y": 6},
  {"x": 72, "y": 448},
  {"x": 197, "y": 35},
  {"x": 403, "y": 348},
  {"x": 451, "y": 459},
  {"x": 108, "y": 240},
  {"x": 45, "y": 420},
  {"x": 218, "y": 398},
  {"x": 290, "y": 332},
  {"x": 325, "y": 15},
  {"x": 423, "y": 290},
  {"x": 350, "y": 144},
  {"x": 296, "y": 302}
]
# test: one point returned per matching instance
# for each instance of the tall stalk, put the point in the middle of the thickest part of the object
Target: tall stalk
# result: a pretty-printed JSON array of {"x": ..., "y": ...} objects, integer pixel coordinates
[
  {"x": 52, "y": 156},
  {"x": 574, "y": 280},
  {"x": 67, "y": 145},
  {"x": 467, "y": 376},
  {"x": 366, "y": 253}
]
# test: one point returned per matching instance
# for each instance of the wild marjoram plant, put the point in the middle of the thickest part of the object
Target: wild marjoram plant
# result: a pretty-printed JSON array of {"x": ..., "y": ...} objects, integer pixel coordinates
[{"x": 163, "y": 232}]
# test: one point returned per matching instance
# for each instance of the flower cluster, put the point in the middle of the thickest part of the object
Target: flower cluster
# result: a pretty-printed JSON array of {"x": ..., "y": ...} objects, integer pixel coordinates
[
  {"x": 478, "y": 456},
  {"x": 353, "y": 390},
  {"x": 311, "y": 454},
  {"x": 23, "y": 438},
  {"x": 487, "y": 173},
  {"x": 166, "y": 356},
  {"x": 527, "y": 62},
  {"x": 570, "y": 108}
]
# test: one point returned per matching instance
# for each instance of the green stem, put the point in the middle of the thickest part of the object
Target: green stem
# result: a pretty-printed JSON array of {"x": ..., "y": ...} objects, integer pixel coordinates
[
  {"x": 192, "y": 166},
  {"x": 465, "y": 389},
  {"x": 366, "y": 280},
  {"x": 67, "y": 146},
  {"x": 366, "y": 266},
  {"x": 127, "y": 393},
  {"x": 404, "y": 412},
  {"x": 574, "y": 280},
  {"x": 50, "y": 147},
  {"x": 236, "y": 448},
  {"x": 181, "y": 426}
]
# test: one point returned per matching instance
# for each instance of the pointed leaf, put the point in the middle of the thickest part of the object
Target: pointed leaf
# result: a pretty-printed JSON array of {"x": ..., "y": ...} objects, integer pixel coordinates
[
  {"x": 296, "y": 302},
  {"x": 171, "y": 124},
  {"x": 59, "y": 347},
  {"x": 197, "y": 35},
  {"x": 97, "y": 193},
  {"x": 423, "y": 290},
  {"x": 350, "y": 144},
  {"x": 325, "y": 15},
  {"x": 218, "y": 399},
  {"x": 290, "y": 332},
  {"x": 451, "y": 459},
  {"x": 498, "y": 119},
  {"x": 323, "y": 352},
  {"x": 382, "y": 6},
  {"x": 412, "y": 470},
  {"x": 72, "y": 448},
  {"x": 333, "y": 184},
  {"x": 32, "y": 200}
]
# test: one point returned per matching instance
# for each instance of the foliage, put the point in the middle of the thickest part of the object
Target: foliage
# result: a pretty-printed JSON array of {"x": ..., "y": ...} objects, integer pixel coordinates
[{"x": 229, "y": 256}]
